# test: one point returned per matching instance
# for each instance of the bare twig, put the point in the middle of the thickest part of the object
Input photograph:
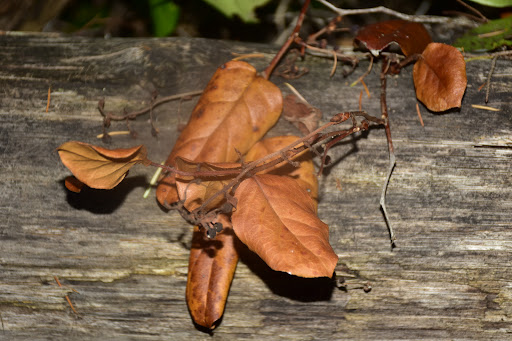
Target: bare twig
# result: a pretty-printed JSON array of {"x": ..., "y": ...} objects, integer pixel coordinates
[
  {"x": 419, "y": 114},
  {"x": 273, "y": 63},
  {"x": 385, "y": 10},
  {"x": 333, "y": 70},
  {"x": 392, "y": 160},
  {"x": 242, "y": 56},
  {"x": 66, "y": 296},
  {"x": 352, "y": 59},
  {"x": 48, "y": 99},
  {"x": 474, "y": 10},
  {"x": 484, "y": 107},
  {"x": 133, "y": 114},
  {"x": 331, "y": 27},
  {"x": 367, "y": 72}
]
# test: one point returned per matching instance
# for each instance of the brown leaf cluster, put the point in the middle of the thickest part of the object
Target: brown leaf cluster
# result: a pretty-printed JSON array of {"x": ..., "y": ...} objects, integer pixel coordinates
[
  {"x": 235, "y": 111},
  {"x": 276, "y": 211}
]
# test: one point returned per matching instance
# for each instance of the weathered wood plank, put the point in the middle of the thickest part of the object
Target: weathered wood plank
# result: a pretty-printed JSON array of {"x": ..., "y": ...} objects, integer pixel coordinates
[{"x": 450, "y": 200}]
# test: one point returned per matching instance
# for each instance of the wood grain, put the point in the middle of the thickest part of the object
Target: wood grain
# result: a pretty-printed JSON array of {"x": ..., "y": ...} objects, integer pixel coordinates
[{"x": 450, "y": 200}]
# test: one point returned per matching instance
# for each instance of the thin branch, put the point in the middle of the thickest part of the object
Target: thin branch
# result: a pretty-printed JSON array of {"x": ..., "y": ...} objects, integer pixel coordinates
[
  {"x": 385, "y": 10},
  {"x": 474, "y": 10},
  {"x": 133, "y": 114},
  {"x": 48, "y": 99},
  {"x": 353, "y": 60},
  {"x": 66, "y": 296},
  {"x": 331, "y": 27},
  {"x": 392, "y": 160},
  {"x": 367, "y": 72},
  {"x": 392, "y": 164},
  {"x": 284, "y": 48}
]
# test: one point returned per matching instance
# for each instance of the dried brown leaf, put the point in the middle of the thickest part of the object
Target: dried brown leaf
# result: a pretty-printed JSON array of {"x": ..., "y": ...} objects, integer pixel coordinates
[
  {"x": 440, "y": 77},
  {"x": 73, "y": 184},
  {"x": 302, "y": 115},
  {"x": 236, "y": 110},
  {"x": 98, "y": 167},
  {"x": 412, "y": 37},
  {"x": 276, "y": 218},
  {"x": 212, "y": 264},
  {"x": 304, "y": 174}
]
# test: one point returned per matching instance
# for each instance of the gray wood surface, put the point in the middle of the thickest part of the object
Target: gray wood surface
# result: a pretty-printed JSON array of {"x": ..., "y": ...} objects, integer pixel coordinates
[{"x": 450, "y": 199}]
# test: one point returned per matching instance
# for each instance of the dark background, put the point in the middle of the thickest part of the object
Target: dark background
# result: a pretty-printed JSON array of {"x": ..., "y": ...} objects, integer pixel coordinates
[{"x": 195, "y": 18}]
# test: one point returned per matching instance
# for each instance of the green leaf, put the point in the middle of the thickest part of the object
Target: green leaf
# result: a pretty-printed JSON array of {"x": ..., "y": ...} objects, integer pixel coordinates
[
  {"x": 165, "y": 16},
  {"x": 487, "y": 37},
  {"x": 243, "y": 8},
  {"x": 494, "y": 3}
]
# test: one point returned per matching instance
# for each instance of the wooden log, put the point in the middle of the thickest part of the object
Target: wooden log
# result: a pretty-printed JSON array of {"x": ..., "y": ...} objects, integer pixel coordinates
[{"x": 449, "y": 199}]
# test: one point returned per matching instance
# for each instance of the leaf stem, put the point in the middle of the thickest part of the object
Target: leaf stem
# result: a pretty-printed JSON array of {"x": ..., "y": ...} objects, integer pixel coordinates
[{"x": 392, "y": 160}]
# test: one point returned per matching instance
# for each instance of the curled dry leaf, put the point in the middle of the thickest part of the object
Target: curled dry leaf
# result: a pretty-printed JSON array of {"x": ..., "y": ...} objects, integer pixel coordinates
[
  {"x": 212, "y": 264},
  {"x": 236, "y": 109},
  {"x": 195, "y": 192},
  {"x": 304, "y": 174},
  {"x": 276, "y": 218},
  {"x": 98, "y": 167},
  {"x": 73, "y": 184},
  {"x": 440, "y": 77},
  {"x": 412, "y": 37},
  {"x": 301, "y": 114}
]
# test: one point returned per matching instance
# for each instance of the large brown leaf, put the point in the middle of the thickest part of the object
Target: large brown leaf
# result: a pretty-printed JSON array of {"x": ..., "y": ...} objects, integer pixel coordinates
[
  {"x": 440, "y": 77},
  {"x": 236, "y": 110},
  {"x": 304, "y": 174},
  {"x": 212, "y": 264},
  {"x": 98, "y": 167},
  {"x": 276, "y": 218},
  {"x": 412, "y": 37}
]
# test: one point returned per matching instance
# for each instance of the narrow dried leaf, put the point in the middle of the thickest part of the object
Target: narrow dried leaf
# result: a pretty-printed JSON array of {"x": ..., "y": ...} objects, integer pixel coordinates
[
  {"x": 412, "y": 37},
  {"x": 212, "y": 264},
  {"x": 236, "y": 109},
  {"x": 276, "y": 218},
  {"x": 98, "y": 167},
  {"x": 440, "y": 77},
  {"x": 196, "y": 191},
  {"x": 304, "y": 174}
]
